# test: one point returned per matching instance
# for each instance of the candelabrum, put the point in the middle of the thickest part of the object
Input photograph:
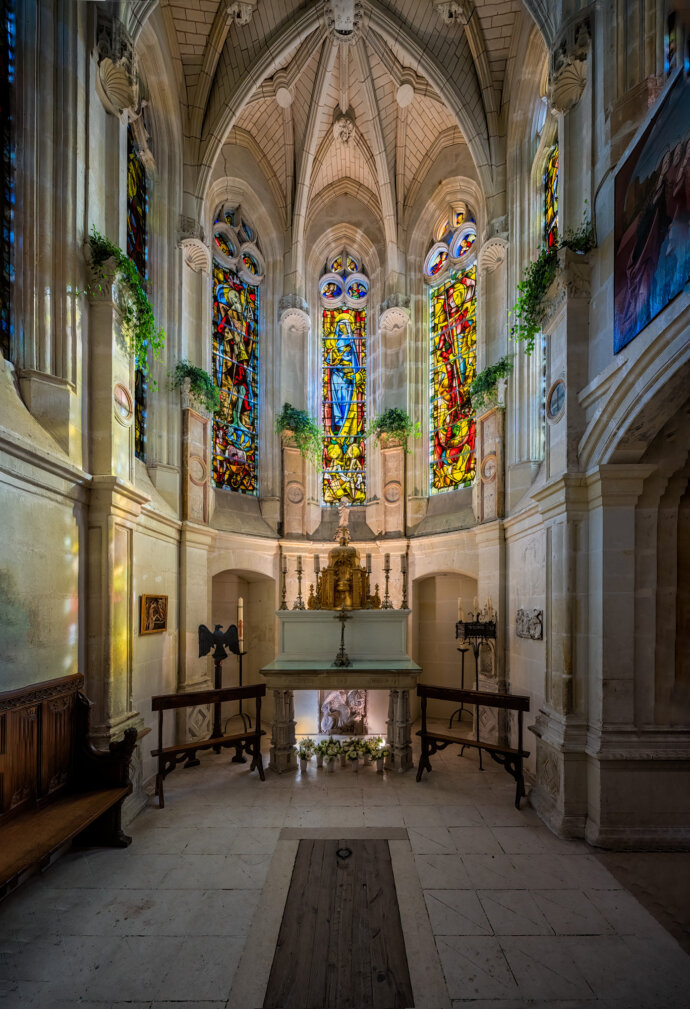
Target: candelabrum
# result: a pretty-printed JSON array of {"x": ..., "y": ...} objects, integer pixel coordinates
[
  {"x": 387, "y": 604},
  {"x": 403, "y": 568},
  {"x": 342, "y": 659},
  {"x": 476, "y": 632},
  {"x": 283, "y": 604},
  {"x": 299, "y": 602}
]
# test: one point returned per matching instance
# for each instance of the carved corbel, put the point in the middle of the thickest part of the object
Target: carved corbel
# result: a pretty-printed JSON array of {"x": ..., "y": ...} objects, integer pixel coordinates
[
  {"x": 116, "y": 80},
  {"x": 197, "y": 254},
  {"x": 454, "y": 10},
  {"x": 294, "y": 321},
  {"x": 572, "y": 282},
  {"x": 492, "y": 254},
  {"x": 394, "y": 318},
  {"x": 241, "y": 12},
  {"x": 568, "y": 66}
]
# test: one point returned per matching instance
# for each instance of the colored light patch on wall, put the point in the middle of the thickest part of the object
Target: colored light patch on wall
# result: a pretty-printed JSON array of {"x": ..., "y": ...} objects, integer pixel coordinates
[
  {"x": 235, "y": 372},
  {"x": 453, "y": 319},
  {"x": 344, "y": 405}
]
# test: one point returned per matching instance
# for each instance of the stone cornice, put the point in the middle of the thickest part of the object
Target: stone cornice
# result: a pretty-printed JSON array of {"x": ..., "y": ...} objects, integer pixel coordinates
[{"x": 565, "y": 493}]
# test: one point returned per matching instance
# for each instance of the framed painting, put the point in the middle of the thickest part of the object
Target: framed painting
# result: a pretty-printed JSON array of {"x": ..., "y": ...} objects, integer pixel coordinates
[
  {"x": 652, "y": 194},
  {"x": 153, "y": 614}
]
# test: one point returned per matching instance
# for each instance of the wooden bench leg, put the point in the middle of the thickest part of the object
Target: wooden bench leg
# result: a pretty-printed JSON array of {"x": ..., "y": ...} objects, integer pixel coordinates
[
  {"x": 159, "y": 791},
  {"x": 520, "y": 784},
  {"x": 424, "y": 761},
  {"x": 106, "y": 830},
  {"x": 257, "y": 759}
]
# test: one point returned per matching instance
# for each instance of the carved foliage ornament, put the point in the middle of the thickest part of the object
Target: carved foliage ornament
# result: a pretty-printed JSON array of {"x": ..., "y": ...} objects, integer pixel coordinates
[
  {"x": 343, "y": 128},
  {"x": 240, "y": 12},
  {"x": 454, "y": 10},
  {"x": 344, "y": 19}
]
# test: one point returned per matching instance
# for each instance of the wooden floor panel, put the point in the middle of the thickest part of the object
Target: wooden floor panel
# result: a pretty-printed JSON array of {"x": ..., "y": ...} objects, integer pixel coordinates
[{"x": 340, "y": 944}]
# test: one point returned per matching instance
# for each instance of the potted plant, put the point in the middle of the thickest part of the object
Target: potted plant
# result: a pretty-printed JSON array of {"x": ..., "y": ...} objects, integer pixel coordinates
[
  {"x": 199, "y": 384},
  {"x": 371, "y": 749},
  {"x": 331, "y": 751},
  {"x": 303, "y": 430},
  {"x": 537, "y": 278},
  {"x": 305, "y": 748},
  {"x": 352, "y": 755},
  {"x": 483, "y": 388},
  {"x": 381, "y": 754},
  {"x": 138, "y": 324},
  {"x": 320, "y": 751},
  {"x": 393, "y": 426}
]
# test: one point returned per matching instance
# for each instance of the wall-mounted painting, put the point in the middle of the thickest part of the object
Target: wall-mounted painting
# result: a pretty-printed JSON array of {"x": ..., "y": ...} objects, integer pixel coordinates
[
  {"x": 154, "y": 614},
  {"x": 652, "y": 217}
]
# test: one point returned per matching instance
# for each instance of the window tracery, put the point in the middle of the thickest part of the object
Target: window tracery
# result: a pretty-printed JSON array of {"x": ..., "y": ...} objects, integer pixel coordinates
[
  {"x": 344, "y": 289},
  {"x": 238, "y": 270},
  {"x": 450, "y": 270}
]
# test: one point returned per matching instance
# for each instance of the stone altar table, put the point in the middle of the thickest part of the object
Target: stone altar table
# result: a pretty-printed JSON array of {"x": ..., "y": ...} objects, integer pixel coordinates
[{"x": 376, "y": 642}]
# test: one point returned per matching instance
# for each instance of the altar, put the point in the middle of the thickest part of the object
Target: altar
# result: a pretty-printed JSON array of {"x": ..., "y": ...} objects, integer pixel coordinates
[{"x": 344, "y": 648}]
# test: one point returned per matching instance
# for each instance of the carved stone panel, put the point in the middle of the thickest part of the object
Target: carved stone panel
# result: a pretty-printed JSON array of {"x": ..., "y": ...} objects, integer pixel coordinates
[
  {"x": 530, "y": 624},
  {"x": 294, "y": 491},
  {"x": 343, "y": 712},
  {"x": 489, "y": 485},
  {"x": 195, "y": 467},
  {"x": 393, "y": 465}
]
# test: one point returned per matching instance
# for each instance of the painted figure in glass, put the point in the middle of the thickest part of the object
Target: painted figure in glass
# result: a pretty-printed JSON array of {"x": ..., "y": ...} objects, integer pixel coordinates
[{"x": 344, "y": 388}]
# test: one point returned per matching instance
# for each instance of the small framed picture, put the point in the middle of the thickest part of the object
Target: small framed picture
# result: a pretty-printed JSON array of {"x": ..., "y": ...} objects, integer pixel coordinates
[{"x": 154, "y": 614}]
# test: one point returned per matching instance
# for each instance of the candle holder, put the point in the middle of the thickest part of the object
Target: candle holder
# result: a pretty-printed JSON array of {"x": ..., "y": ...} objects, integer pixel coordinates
[
  {"x": 403, "y": 603},
  {"x": 476, "y": 632},
  {"x": 283, "y": 604},
  {"x": 387, "y": 604},
  {"x": 299, "y": 602}
]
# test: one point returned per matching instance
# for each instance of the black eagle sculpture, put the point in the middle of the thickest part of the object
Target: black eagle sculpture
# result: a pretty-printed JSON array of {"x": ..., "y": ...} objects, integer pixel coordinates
[{"x": 219, "y": 639}]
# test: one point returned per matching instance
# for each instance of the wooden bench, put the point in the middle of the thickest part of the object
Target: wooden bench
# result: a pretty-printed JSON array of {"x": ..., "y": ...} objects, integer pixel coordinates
[
  {"x": 433, "y": 741},
  {"x": 248, "y": 741},
  {"x": 54, "y": 786}
]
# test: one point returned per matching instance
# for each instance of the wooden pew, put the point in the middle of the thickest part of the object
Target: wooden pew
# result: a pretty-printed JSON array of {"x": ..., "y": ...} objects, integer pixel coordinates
[
  {"x": 433, "y": 741},
  {"x": 54, "y": 786},
  {"x": 248, "y": 741}
]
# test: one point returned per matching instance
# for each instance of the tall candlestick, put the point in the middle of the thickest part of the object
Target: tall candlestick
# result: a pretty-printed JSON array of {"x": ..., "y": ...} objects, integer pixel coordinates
[
  {"x": 368, "y": 564},
  {"x": 284, "y": 564}
]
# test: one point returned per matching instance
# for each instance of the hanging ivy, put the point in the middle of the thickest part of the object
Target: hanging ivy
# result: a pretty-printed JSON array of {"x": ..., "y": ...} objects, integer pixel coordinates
[
  {"x": 306, "y": 433},
  {"x": 393, "y": 423},
  {"x": 484, "y": 385},
  {"x": 202, "y": 388},
  {"x": 137, "y": 320}
]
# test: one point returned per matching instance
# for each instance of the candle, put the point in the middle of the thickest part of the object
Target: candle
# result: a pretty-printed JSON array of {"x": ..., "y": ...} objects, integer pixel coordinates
[
  {"x": 490, "y": 608},
  {"x": 317, "y": 564},
  {"x": 284, "y": 564},
  {"x": 403, "y": 563},
  {"x": 387, "y": 562},
  {"x": 368, "y": 564},
  {"x": 461, "y": 615},
  {"x": 240, "y": 622},
  {"x": 475, "y": 605},
  {"x": 299, "y": 563}
]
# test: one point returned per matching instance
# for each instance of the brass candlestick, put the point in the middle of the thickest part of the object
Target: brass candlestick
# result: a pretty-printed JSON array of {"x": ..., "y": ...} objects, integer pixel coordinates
[
  {"x": 283, "y": 604},
  {"x": 299, "y": 602},
  {"x": 387, "y": 604},
  {"x": 342, "y": 658}
]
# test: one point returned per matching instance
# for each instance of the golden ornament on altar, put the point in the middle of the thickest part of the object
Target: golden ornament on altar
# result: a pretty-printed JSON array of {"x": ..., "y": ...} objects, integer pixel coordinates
[{"x": 344, "y": 583}]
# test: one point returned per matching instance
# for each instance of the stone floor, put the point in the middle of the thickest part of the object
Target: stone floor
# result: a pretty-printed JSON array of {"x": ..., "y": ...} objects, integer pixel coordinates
[{"x": 496, "y": 911}]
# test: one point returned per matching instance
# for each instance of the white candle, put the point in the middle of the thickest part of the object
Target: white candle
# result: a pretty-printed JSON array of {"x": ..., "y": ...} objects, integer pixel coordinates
[
  {"x": 368, "y": 564},
  {"x": 317, "y": 564},
  {"x": 461, "y": 615},
  {"x": 299, "y": 562},
  {"x": 475, "y": 606},
  {"x": 387, "y": 562},
  {"x": 240, "y": 622},
  {"x": 403, "y": 563}
]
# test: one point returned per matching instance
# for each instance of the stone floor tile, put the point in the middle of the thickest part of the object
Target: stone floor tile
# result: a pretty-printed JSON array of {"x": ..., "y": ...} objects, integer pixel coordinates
[
  {"x": 126, "y": 869},
  {"x": 439, "y": 871},
  {"x": 624, "y": 913},
  {"x": 570, "y": 912},
  {"x": 548, "y": 871},
  {"x": 227, "y": 840},
  {"x": 633, "y": 970},
  {"x": 226, "y": 872},
  {"x": 326, "y": 816},
  {"x": 514, "y": 912},
  {"x": 421, "y": 816},
  {"x": 544, "y": 968},
  {"x": 431, "y": 840},
  {"x": 530, "y": 839},
  {"x": 493, "y": 872},
  {"x": 383, "y": 816},
  {"x": 501, "y": 812},
  {"x": 474, "y": 840},
  {"x": 475, "y": 966},
  {"x": 461, "y": 815},
  {"x": 456, "y": 912}
]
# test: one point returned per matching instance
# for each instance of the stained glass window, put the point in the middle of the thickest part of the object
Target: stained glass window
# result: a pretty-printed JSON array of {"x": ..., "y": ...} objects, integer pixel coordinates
[
  {"x": 7, "y": 70},
  {"x": 344, "y": 404},
  {"x": 137, "y": 208},
  {"x": 235, "y": 372},
  {"x": 452, "y": 308},
  {"x": 551, "y": 200}
]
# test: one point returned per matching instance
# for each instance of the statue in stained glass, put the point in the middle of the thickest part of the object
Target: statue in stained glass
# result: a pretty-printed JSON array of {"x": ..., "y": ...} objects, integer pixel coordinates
[
  {"x": 344, "y": 397},
  {"x": 137, "y": 209},
  {"x": 235, "y": 372},
  {"x": 551, "y": 200},
  {"x": 452, "y": 370}
]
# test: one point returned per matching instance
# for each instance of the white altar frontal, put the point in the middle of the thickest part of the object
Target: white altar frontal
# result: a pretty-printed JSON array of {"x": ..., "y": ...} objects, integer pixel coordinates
[{"x": 375, "y": 644}]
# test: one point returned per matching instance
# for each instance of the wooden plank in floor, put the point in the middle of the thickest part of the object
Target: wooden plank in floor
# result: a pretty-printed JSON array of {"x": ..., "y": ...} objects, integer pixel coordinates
[{"x": 340, "y": 944}]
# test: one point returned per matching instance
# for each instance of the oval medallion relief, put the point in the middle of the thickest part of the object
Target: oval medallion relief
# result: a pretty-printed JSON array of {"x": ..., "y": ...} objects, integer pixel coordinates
[
  {"x": 392, "y": 492},
  {"x": 295, "y": 493}
]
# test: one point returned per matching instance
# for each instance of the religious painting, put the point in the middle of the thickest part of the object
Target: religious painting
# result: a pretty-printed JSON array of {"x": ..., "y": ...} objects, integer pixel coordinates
[
  {"x": 235, "y": 372},
  {"x": 453, "y": 317},
  {"x": 153, "y": 614},
  {"x": 343, "y": 712},
  {"x": 652, "y": 218},
  {"x": 344, "y": 405}
]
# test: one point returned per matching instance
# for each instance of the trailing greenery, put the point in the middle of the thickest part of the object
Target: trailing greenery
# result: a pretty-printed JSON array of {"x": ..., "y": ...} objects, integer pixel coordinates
[
  {"x": 484, "y": 385},
  {"x": 138, "y": 323},
  {"x": 305, "y": 431},
  {"x": 201, "y": 386},
  {"x": 395, "y": 423},
  {"x": 538, "y": 276}
]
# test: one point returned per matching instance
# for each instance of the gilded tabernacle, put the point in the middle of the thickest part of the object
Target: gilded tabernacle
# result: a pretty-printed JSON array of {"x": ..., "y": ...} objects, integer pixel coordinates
[{"x": 344, "y": 583}]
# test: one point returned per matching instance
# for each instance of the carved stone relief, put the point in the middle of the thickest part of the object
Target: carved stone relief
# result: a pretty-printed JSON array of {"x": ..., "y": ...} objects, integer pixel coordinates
[
  {"x": 393, "y": 480},
  {"x": 343, "y": 712},
  {"x": 488, "y": 493},
  {"x": 530, "y": 624},
  {"x": 195, "y": 467}
]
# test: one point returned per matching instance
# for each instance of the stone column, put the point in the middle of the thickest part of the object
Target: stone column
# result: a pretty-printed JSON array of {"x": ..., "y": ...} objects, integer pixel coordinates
[
  {"x": 283, "y": 737},
  {"x": 196, "y": 463},
  {"x": 301, "y": 499},
  {"x": 398, "y": 735},
  {"x": 386, "y": 509}
]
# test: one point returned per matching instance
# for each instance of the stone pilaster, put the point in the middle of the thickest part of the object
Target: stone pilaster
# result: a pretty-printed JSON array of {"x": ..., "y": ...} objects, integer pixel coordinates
[
  {"x": 294, "y": 490},
  {"x": 488, "y": 493},
  {"x": 283, "y": 737},
  {"x": 398, "y": 735},
  {"x": 196, "y": 465},
  {"x": 195, "y": 608},
  {"x": 393, "y": 486}
]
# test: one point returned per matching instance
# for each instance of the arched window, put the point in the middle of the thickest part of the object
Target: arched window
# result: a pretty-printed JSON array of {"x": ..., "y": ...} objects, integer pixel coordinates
[
  {"x": 551, "y": 199},
  {"x": 451, "y": 272},
  {"x": 344, "y": 288},
  {"x": 238, "y": 270},
  {"x": 7, "y": 71},
  {"x": 137, "y": 250}
]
